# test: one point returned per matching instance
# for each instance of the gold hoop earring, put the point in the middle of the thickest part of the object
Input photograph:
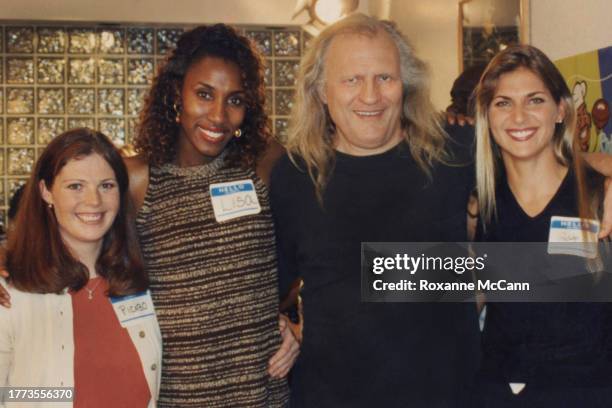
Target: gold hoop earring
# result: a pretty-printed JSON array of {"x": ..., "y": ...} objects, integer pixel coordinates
[
  {"x": 238, "y": 133},
  {"x": 177, "y": 114}
]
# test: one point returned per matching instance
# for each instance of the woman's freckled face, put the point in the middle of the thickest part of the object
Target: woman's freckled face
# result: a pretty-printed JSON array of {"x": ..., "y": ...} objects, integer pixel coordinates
[{"x": 85, "y": 199}]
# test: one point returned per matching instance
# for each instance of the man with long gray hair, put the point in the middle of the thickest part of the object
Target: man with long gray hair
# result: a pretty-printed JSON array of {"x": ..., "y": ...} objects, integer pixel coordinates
[{"x": 368, "y": 160}]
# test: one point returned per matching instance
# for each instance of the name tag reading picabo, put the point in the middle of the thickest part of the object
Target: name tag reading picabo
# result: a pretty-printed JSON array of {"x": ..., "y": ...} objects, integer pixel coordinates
[
  {"x": 133, "y": 309},
  {"x": 234, "y": 199},
  {"x": 573, "y": 236}
]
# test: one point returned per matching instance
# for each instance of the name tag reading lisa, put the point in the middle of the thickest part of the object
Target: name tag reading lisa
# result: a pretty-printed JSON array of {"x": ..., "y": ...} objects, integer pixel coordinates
[
  {"x": 133, "y": 309},
  {"x": 234, "y": 199},
  {"x": 573, "y": 236}
]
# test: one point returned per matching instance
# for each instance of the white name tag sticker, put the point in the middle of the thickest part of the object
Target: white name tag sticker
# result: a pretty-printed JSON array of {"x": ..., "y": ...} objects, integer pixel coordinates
[
  {"x": 234, "y": 199},
  {"x": 573, "y": 236},
  {"x": 133, "y": 309}
]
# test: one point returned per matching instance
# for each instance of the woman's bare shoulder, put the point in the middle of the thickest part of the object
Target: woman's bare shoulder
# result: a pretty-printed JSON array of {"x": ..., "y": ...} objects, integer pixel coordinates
[{"x": 138, "y": 171}]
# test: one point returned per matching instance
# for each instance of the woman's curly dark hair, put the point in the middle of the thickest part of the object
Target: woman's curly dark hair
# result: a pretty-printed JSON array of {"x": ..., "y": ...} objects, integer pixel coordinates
[{"x": 158, "y": 130}]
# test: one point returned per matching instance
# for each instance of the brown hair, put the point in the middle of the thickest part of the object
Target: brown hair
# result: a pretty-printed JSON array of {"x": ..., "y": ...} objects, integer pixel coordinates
[
  {"x": 566, "y": 149},
  {"x": 37, "y": 258}
]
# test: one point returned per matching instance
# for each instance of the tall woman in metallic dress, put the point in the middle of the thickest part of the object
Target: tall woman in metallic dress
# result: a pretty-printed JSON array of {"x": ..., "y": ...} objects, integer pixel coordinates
[{"x": 205, "y": 226}]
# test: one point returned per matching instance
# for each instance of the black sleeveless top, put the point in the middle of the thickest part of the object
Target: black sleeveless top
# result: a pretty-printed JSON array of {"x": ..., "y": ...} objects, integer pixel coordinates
[{"x": 558, "y": 344}]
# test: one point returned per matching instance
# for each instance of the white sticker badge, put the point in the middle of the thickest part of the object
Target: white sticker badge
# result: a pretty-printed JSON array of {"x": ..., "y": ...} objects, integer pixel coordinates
[
  {"x": 133, "y": 309},
  {"x": 573, "y": 236},
  {"x": 234, "y": 199}
]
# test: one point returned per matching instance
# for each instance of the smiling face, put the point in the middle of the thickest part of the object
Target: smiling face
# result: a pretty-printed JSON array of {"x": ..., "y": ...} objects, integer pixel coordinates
[
  {"x": 212, "y": 109},
  {"x": 85, "y": 198},
  {"x": 363, "y": 93},
  {"x": 522, "y": 116}
]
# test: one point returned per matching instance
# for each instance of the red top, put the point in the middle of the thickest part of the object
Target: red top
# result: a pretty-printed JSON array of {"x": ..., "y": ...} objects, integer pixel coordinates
[{"x": 107, "y": 368}]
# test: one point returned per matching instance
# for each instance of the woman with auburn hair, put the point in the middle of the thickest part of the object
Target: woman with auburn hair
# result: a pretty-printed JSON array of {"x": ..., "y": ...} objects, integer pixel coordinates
[
  {"x": 75, "y": 265},
  {"x": 536, "y": 354},
  {"x": 205, "y": 225}
]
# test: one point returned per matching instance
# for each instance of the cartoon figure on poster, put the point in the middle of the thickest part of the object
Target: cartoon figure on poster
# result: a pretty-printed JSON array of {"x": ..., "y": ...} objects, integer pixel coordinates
[
  {"x": 589, "y": 76},
  {"x": 583, "y": 125}
]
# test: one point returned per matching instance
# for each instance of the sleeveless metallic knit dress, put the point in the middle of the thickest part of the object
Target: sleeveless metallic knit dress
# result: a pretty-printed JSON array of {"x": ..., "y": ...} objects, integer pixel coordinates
[{"x": 214, "y": 286}]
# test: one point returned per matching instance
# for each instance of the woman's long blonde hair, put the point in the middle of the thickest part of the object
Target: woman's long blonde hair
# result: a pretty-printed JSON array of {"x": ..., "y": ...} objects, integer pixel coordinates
[
  {"x": 566, "y": 147},
  {"x": 488, "y": 157},
  {"x": 311, "y": 128}
]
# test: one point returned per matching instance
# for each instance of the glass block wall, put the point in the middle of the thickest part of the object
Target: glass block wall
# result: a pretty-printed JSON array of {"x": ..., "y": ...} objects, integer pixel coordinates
[{"x": 55, "y": 77}]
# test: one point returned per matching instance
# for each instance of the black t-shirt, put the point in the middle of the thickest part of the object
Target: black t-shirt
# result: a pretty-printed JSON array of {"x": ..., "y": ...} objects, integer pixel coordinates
[
  {"x": 546, "y": 344},
  {"x": 374, "y": 354}
]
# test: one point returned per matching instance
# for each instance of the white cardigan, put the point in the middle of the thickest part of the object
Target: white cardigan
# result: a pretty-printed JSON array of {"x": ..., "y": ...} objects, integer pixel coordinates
[{"x": 37, "y": 345}]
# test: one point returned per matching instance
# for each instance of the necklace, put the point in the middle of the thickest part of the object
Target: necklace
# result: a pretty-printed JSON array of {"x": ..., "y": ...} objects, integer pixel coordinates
[{"x": 91, "y": 291}]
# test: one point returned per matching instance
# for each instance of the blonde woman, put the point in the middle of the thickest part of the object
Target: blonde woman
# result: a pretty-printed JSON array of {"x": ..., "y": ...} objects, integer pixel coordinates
[{"x": 535, "y": 354}]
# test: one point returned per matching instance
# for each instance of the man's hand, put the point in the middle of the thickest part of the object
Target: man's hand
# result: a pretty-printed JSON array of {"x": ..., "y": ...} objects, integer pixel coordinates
[
  {"x": 281, "y": 362},
  {"x": 452, "y": 117}
]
